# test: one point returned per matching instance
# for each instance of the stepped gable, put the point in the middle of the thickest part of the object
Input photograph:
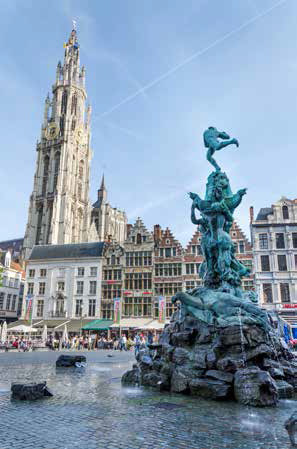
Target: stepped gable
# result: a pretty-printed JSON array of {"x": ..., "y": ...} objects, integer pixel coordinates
[
  {"x": 139, "y": 229},
  {"x": 240, "y": 235},
  {"x": 167, "y": 240},
  {"x": 193, "y": 252}
]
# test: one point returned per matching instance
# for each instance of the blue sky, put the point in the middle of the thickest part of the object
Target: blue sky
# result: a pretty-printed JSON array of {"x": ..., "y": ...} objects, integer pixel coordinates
[{"x": 158, "y": 74}]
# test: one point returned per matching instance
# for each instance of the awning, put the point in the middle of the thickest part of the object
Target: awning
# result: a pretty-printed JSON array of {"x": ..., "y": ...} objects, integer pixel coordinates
[
  {"x": 22, "y": 328},
  {"x": 155, "y": 324},
  {"x": 98, "y": 325},
  {"x": 132, "y": 323}
]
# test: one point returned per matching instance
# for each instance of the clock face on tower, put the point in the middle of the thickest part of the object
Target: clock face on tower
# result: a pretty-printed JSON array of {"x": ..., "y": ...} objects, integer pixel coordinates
[{"x": 52, "y": 131}]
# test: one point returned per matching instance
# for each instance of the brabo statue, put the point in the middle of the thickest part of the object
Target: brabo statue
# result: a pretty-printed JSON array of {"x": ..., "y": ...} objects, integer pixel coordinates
[
  {"x": 210, "y": 137},
  {"x": 222, "y": 298},
  {"x": 219, "y": 344}
]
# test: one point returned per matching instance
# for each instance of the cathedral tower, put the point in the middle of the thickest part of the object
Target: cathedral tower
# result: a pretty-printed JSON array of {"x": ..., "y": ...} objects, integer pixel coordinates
[{"x": 59, "y": 210}]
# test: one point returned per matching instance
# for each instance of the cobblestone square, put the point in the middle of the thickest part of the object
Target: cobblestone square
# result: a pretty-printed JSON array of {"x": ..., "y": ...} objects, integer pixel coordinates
[{"x": 91, "y": 410}]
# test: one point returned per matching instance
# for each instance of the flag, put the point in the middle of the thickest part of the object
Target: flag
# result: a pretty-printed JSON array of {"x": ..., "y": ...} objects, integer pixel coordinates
[
  {"x": 64, "y": 45},
  {"x": 28, "y": 315},
  {"x": 162, "y": 309},
  {"x": 117, "y": 310}
]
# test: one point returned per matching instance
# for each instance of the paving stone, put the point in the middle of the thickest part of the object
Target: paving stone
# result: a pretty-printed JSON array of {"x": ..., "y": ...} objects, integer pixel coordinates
[{"x": 90, "y": 411}]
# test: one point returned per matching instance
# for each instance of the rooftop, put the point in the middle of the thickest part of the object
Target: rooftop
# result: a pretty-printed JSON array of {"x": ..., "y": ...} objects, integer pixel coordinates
[{"x": 68, "y": 251}]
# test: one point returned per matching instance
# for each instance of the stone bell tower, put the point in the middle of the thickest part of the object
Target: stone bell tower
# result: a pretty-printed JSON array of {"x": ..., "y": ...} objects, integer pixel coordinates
[{"x": 59, "y": 208}]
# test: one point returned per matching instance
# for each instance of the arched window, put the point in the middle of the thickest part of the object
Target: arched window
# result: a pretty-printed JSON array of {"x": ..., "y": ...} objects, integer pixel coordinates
[
  {"x": 45, "y": 174},
  {"x": 56, "y": 169},
  {"x": 79, "y": 224},
  {"x": 62, "y": 121},
  {"x": 49, "y": 221},
  {"x": 81, "y": 170},
  {"x": 39, "y": 223},
  {"x": 72, "y": 226},
  {"x": 285, "y": 212},
  {"x": 74, "y": 104},
  {"x": 64, "y": 102},
  {"x": 73, "y": 123}
]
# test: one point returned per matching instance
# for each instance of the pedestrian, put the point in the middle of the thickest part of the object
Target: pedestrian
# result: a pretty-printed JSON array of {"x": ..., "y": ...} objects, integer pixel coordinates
[{"x": 137, "y": 344}]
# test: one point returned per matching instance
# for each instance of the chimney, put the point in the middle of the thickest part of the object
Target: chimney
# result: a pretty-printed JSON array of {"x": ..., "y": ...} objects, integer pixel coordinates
[
  {"x": 157, "y": 233},
  {"x": 251, "y": 214},
  {"x": 129, "y": 228}
]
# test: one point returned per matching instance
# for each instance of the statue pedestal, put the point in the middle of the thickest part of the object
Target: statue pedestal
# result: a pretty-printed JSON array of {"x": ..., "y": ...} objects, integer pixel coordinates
[{"x": 235, "y": 360}]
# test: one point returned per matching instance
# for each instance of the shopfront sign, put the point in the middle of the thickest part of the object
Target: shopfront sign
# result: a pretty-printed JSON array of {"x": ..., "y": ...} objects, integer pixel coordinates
[{"x": 289, "y": 306}]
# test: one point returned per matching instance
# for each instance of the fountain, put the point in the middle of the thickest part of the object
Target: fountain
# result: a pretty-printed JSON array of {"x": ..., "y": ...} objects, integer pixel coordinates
[{"x": 219, "y": 344}]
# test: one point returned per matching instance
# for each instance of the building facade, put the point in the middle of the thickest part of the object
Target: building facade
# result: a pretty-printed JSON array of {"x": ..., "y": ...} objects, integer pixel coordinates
[
  {"x": 274, "y": 239},
  {"x": 64, "y": 282},
  {"x": 11, "y": 288},
  {"x": 60, "y": 210},
  {"x": 149, "y": 265}
]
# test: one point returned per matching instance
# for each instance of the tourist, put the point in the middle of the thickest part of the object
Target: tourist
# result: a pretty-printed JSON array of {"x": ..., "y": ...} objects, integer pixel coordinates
[
  {"x": 137, "y": 343},
  {"x": 150, "y": 338}
]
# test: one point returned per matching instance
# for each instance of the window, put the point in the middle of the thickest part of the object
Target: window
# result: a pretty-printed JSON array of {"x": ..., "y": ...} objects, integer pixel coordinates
[
  {"x": 282, "y": 262},
  {"x": 167, "y": 252},
  {"x": 93, "y": 287},
  {"x": 93, "y": 271},
  {"x": 2, "y": 296},
  {"x": 13, "y": 304},
  {"x": 92, "y": 307},
  {"x": 167, "y": 288},
  {"x": 295, "y": 257},
  {"x": 110, "y": 291},
  {"x": 168, "y": 269},
  {"x": 56, "y": 168},
  {"x": 113, "y": 259},
  {"x": 170, "y": 308},
  {"x": 161, "y": 252},
  {"x": 79, "y": 287},
  {"x": 41, "y": 288},
  {"x": 138, "y": 281},
  {"x": 107, "y": 310},
  {"x": 248, "y": 285},
  {"x": 80, "y": 271},
  {"x": 40, "y": 308},
  {"x": 16, "y": 283},
  {"x": 73, "y": 104},
  {"x": 61, "y": 286},
  {"x": 30, "y": 288},
  {"x": 248, "y": 263},
  {"x": 138, "y": 239},
  {"x": 138, "y": 258},
  {"x": 64, "y": 102},
  {"x": 10, "y": 282},
  {"x": 265, "y": 264},
  {"x": 267, "y": 293},
  {"x": 174, "y": 251},
  {"x": 31, "y": 273},
  {"x": 263, "y": 241},
  {"x": 138, "y": 307},
  {"x": 294, "y": 239},
  {"x": 280, "y": 240},
  {"x": 241, "y": 246},
  {"x": 192, "y": 268},
  {"x": 42, "y": 272},
  {"x": 285, "y": 292},
  {"x": 78, "y": 307},
  {"x": 285, "y": 212},
  {"x": 8, "y": 299}
]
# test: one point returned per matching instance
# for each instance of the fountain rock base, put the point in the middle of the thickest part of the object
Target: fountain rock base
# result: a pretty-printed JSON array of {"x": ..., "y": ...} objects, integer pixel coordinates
[{"x": 239, "y": 361}]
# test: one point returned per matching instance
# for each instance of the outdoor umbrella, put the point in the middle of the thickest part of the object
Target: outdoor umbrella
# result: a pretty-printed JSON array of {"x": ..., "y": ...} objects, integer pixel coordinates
[
  {"x": 44, "y": 333},
  {"x": 4, "y": 332}
]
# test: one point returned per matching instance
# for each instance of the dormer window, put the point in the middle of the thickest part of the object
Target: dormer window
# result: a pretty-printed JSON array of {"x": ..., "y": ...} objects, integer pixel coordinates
[{"x": 285, "y": 212}]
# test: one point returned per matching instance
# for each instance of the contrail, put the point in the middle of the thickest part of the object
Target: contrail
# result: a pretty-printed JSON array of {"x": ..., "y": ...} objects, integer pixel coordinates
[{"x": 189, "y": 59}]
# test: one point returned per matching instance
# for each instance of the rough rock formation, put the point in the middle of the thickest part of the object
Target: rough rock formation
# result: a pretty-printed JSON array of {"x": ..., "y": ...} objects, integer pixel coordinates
[
  {"x": 244, "y": 363},
  {"x": 29, "y": 392},
  {"x": 67, "y": 361}
]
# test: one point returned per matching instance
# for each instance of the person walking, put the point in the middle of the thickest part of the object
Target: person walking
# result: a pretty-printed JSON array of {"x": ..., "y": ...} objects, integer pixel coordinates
[{"x": 137, "y": 344}]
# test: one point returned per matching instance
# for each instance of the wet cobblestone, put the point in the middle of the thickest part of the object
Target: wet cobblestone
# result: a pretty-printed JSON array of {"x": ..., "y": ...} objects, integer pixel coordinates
[{"x": 91, "y": 410}]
